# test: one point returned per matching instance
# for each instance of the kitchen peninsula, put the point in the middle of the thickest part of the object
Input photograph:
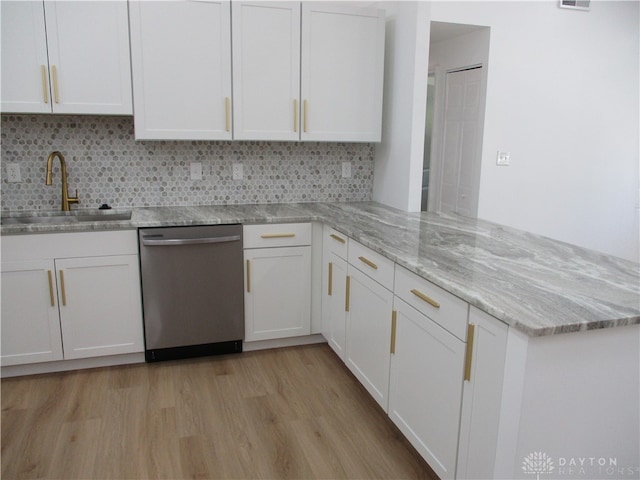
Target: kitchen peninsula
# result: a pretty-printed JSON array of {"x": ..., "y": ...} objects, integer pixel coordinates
[{"x": 571, "y": 317}]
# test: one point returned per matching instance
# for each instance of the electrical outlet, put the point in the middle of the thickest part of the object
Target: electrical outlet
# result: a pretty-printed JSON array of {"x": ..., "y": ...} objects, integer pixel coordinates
[
  {"x": 196, "y": 171},
  {"x": 346, "y": 169},
  {"x": 238, "y": 171},
  {"x": 13, "y": 173}
]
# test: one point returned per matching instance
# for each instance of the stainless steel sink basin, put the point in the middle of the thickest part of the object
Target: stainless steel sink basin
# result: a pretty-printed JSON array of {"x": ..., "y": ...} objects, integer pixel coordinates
[{"x": 67, "y": 218}]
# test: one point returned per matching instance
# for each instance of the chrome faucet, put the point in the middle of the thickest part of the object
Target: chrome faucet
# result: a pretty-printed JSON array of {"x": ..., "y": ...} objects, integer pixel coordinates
[{"x": 66, "y": 199}]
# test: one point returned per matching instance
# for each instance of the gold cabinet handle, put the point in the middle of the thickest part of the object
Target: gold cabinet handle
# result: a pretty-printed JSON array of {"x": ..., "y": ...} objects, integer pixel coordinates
[
  {"x": 295, "y": 115},
  {"x": 330, "y": 286},
  {"x": 368, "y": 262},
  {"x": 51, "y": 292},
  {"x": 45, "y": 87},
  {"x": 63, "y": 290},
  {"x": 248, "y": 276},
  {"x": 394, "y": 318},
  {"x": 347, "y": 292},
  {"x": 337, "y": 238},
  {"x": 56, "y": 92},
  {"x": 422, "y": 296},
  {"x": 227, "y": 115},
  {"x": 277, "y": 235},
  {"x": 471, "y": 329},
  {"x": 304, "y": 115}
]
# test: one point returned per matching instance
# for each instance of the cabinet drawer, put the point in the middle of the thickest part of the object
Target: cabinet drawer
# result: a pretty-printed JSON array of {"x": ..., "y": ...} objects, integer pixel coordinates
[
  {"x": 445, "y": 309},
  {"x": 372, "y": 264},
  {"x": 336, "y": 242},
  {"x": 277, "y": 235}
]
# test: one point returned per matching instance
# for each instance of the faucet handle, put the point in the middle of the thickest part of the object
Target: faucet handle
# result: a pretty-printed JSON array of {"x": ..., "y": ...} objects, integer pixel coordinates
[{"x": 74, "y": 199}]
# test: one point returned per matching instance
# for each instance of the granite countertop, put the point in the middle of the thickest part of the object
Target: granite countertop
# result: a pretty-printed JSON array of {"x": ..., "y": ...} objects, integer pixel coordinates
[{"x": 534, "y": 284}]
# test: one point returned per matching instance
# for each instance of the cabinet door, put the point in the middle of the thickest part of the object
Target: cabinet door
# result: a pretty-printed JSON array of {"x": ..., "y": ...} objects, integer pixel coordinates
[
  {"x": 90, "y": 67},
  {"x": 266, "y": 70},
  {"x": 342, "y": 72},
  {"x": 334, "y": 302},
  {"x": 181, "y": 69},
  {"x": 30, "y": 322},
  {"x": 426, "y": 387},
  {"x": 369, "y": 308},
  {"x": 100, "y": 308},
  {"x": 482, "y": 397},
  {"x": 277, "y": 292},
  {"x": 25, "y": 67}
]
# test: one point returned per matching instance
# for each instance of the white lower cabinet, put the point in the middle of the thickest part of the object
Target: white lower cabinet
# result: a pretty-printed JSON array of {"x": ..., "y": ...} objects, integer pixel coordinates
[
  {"x": 481, "y": 399},
  {"x": 61, "y": 302},
  {"x": 277, "y": 281},
  {"x": 30, "y": 321},
  {"x": 99, "y": 305},
  {"x": 426, "y": 387},
  {"x": 334, "y": 302},
  {"x": 369, "y": 307}
]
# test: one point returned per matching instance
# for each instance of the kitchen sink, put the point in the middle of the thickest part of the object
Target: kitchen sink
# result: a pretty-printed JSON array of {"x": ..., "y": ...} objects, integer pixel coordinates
[{"x": 67, "y": 217}]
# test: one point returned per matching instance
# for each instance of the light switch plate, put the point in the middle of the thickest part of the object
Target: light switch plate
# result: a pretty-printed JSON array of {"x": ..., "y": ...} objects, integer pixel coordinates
[{"x": 503, "y": 159}]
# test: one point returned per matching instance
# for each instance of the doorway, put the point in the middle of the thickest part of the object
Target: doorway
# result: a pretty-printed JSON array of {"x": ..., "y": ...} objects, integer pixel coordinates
[{"x": 458, "y": 56}]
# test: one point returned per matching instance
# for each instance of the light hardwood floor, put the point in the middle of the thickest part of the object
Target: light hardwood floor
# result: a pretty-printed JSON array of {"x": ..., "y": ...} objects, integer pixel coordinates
[{"x": 284, "y": 413}]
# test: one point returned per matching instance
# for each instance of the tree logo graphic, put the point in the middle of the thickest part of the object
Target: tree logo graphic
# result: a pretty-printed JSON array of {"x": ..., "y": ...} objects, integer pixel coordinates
[{"x": 537, "y": 463}]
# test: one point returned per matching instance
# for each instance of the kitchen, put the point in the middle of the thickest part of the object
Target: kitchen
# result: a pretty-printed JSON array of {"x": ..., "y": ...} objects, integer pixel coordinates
[{"x": 146, "y": 173}]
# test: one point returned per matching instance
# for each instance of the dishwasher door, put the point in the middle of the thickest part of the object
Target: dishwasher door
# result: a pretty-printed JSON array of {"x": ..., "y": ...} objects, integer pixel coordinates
[{"x": 192, "y": 290}]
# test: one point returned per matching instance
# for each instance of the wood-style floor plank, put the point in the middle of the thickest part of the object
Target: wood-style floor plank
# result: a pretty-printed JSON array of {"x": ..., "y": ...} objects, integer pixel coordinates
[{"x": 284, "y": 413}]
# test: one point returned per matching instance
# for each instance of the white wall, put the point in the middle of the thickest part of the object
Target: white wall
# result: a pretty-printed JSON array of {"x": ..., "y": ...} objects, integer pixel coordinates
[
  {"x": 562, "y": 97},
  {"x": 397, "y": 181}
]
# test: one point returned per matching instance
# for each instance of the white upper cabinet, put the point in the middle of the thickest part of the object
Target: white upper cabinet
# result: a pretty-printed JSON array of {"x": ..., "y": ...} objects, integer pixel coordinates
[
  {"x": 181, "y": 66},
  {"x": 342, "y": 73},
  {"x": 266, "y": 70},
  {"x": 78, "y": 62}
]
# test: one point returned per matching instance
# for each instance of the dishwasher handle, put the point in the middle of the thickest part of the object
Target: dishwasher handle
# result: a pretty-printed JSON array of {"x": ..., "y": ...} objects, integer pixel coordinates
[{"x": 157, "y": 242}]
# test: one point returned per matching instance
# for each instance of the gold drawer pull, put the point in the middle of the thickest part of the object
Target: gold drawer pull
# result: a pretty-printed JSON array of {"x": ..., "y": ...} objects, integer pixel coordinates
[
  {"x": 337, "y": 238},
  {"x": 277, "y": 235},
  {"x": 248, "y": 276},
  {"x": 330, "y": 286},
  {"x": 394, "y": 318},
  {"x": 45, "y": 88},
  {"x": 471, "y": 328},
  {"x": 227, "y": 113},
  {"x": 63, "y": 290},
  {"x": 295, "y": 115},
  {"x": 422, "y": 296},
  {"x": 51, "y": 295},
  {"x": 368, "y": 262}
]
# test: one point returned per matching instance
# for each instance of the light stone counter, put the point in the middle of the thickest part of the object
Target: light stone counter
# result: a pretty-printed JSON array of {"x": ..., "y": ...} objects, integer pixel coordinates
[{"x": 536, "y": 285}]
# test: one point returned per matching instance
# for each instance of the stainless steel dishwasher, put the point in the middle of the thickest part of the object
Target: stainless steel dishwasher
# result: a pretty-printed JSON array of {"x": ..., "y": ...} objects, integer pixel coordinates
[{"x": 192, "y": 291}]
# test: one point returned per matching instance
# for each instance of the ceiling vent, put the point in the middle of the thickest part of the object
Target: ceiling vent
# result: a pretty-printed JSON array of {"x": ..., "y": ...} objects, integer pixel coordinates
[{"x": 575, "y": 4}]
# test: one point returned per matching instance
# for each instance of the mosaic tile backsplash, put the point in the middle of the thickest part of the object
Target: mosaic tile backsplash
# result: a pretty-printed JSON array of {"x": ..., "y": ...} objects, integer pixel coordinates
[{"x": 107, "y": 165}]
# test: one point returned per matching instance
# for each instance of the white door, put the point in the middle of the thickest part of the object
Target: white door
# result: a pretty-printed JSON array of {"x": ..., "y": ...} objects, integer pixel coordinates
[
  {"x": 90, "y": 66},
  {"x": 277, "y": 292},
  {"x": 461, "y": 154},
  {"x": 425, "y": 393},
  {"x": 25, "y": 67},
  {"x": 369, "y": 334},
  {"x": 342, "y": 72},
  {"x": 100, "y": 307},
  {"x": 266, "y": 70},
  {"x": 334, "y": 302},
  {"x": 30, "y": 321},
  {"x": 181, "y": 69}
]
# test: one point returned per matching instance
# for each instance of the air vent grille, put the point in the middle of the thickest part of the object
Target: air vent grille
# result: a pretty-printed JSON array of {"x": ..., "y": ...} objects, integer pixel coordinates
[{"x": 575, "y": 4}]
